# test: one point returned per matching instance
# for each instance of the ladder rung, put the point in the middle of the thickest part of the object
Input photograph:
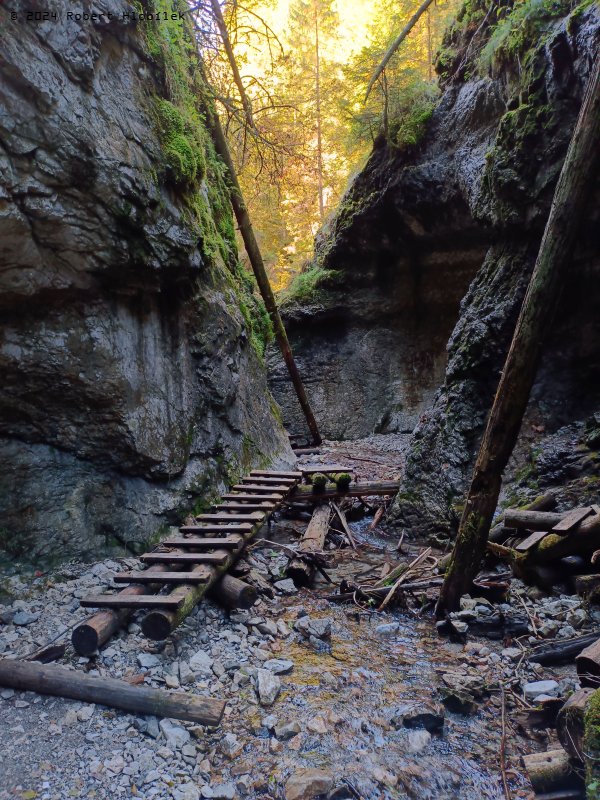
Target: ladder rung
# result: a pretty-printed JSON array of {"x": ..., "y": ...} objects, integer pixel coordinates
[
  {"x": 274, "y": 474},
  {"x": 148, "y": 576},
  {"x": 256, "y": 487},
  {"x": 131, "y": 601},
  {"x": 202, "y": 529},
  {"x": 225, "y": 518},
  {"x": 260, "y": 498},
  {"x": 201, "y": 544},
  {"x": 184, "y": 558}
]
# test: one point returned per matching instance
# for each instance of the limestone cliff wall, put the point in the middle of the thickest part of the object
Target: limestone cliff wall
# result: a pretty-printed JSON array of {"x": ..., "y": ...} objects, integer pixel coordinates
[
  {"x": 131, "y": 380},
  {"x": 430, "y": 254}
]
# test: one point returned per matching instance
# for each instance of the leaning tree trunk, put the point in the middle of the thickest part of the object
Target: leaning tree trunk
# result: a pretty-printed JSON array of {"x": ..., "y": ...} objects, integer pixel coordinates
[
  {"x": 553, "y": 263},
  {"x": 258, "y": 267}
]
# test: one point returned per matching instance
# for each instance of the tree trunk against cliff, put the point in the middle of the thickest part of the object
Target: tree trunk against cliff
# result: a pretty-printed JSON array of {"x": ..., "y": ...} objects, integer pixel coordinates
[
  {"x": 258, "y": 267},
  {"x": 575, "y": 183}
]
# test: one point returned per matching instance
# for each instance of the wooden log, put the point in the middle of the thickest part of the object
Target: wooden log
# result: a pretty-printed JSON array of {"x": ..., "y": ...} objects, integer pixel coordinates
[
  {"x": 591, "y": 746},
  {"x": 62, "y": 682},
  {"x": 90, "y": 635},
  {"x": 549, "y": 771},
  {"x": 553, "y": 265},
  {"x": 570, "y": 723},
  {"x": 233, "y": 593},
  {"x": 501, "y": 530},
  {"x": 312, "y": 542},
  {"x": 159, "y": 624},
  {"x": 588, "y": 665},
  {"x": 305, "y": 494},
  {"x": 587, "y": 585},
  {"x": 532, "y": 520},
  {"x": 242, "y": 216},
  {"x": 562, "y": 651}
]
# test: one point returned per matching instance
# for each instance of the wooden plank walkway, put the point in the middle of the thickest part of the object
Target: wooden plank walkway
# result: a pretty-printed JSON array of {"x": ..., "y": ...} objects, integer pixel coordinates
[{"x": 182, "y": 568}]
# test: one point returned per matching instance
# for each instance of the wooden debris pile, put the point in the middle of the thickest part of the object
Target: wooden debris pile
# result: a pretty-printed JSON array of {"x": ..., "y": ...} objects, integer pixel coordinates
[{"x": 547, "y": 548}]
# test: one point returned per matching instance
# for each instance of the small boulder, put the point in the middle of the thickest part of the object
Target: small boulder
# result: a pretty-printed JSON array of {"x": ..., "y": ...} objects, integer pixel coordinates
[
  {"x": 536, "y": 688},
  {"x": 280, "y": 666},
  {"x": 418, "y": 741},
  {"x": 308, "y": 783},
  {"x": 268, "y": 687}
]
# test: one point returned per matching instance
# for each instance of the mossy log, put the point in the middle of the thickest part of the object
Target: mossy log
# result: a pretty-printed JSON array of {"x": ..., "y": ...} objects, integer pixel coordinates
[
  {"x": 552, "y": 267},
  {"x": 591, "y": 746},
  {"x": 231, "y": 593},
  {"x": 570, "y": 723},
  {"x": 550, "y": 771}
]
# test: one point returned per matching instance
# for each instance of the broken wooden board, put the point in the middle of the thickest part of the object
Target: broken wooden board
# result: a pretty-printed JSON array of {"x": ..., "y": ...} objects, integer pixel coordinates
[
  {"x": 183, "y": 558},
  {"x": 530, "y": 541},
  {"x": 572, "y": 519},
  {"x": 148, "y": 576}
]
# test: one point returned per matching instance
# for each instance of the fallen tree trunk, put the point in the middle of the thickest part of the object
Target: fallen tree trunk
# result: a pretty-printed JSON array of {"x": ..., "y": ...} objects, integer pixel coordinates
[
  {"x": 562, "y": 651},
  {"x": 61, "y": 682},
  {"x": 588, "y": 665},
  {"x": 554, "y": 262},
  {"x": 545, "y": 502},
  {"x": 313, "y": 541},
  {"x": 532, "y": 520}
]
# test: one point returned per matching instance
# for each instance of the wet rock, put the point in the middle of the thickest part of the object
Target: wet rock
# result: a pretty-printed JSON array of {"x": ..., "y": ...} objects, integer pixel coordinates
[
  {"x": 24, "y": 618},
  {"x": 268, "y": 687},
  {"x": 387, "y": 629},
  {"x": 229, "y": 745},
  {"x": 384, "y": 777},
  {"x": 287, "y": 731},
  {"x": 459, "y": 702},
  {"x": 175, "y": 735},
  {"x": 148, "y": 660},
  {"x": 201, "y": 663},
  {"x": 420, "y": 715},
  {"x": 306, "y": 784},
  {"x": 269, "y": 628},
  {"x": 279, "y": 666},
  {"x": 317, "y": 725},
  {"x": 536, "y": 688},
  {"x": 286, "y": 586},
  {"x": 220, "y": 791},
  {"x": 418, "y": 741},
  {"x": 319, "y": 628}
]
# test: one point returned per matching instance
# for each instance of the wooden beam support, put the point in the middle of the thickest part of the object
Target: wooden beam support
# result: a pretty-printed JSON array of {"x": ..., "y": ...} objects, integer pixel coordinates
[
  {"x": 61, "y": 682},
  {"x": 305, "y": 494}
]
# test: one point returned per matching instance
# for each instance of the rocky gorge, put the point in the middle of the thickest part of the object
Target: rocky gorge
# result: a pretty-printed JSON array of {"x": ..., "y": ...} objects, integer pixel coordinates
[
  {"x": 132, "y": 383},
  {"x": 419, "y": 275}
]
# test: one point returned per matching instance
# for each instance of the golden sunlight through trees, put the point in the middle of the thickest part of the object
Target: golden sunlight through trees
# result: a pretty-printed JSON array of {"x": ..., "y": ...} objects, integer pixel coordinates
[{"x": 305, "y": 66}]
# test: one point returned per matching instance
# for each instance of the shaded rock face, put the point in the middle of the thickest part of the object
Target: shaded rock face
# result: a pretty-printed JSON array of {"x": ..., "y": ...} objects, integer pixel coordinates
[
  {"x": 128, "y": 386},
  {"x": 461, "y": 216}
]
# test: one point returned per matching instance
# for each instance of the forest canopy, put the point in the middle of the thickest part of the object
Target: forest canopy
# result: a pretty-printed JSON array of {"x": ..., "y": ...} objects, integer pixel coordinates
[{"x": 301, "y": 128}]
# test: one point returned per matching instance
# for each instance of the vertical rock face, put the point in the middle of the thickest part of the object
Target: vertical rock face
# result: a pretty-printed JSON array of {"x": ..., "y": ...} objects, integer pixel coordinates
[
  {"x": 130, "y": 383},
  {"x": 459, "y": 216}
]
